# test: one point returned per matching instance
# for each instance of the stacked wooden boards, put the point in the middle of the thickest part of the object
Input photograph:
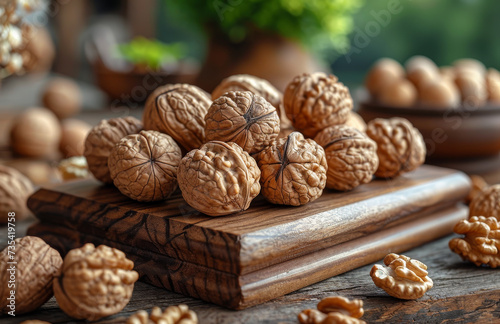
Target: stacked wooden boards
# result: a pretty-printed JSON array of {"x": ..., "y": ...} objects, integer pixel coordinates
[{"x": 267, "y": 251}]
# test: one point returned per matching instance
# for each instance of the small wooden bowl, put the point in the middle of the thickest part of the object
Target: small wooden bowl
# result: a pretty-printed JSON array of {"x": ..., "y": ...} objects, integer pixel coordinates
[{"x": 448, "y": 133}]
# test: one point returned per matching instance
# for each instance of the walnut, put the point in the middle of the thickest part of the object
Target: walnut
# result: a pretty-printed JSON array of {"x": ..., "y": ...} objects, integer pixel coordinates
[
  {"x": 102, "y": 138},
  {"x": 37, "y": 264},
  {"x": 35, "y": 133},
  {"x": 245, "y": 82},
  {"x": 481, "y": 244},
  {"x": 315, "y": 101},
  {"x": 351, "y": 157},
  {"x": 94, "y": 282},
  {"x": 293, "y": 170},
  {"x": 403, "y": 278},
  {"x": 219, "y": 178},
  {"x": 400, "y": 146},
  {"x": 356, "y": 121},
  {"x": 478, "y": 185},
  {"x": 15, "y": 189},
  {"x": 383, "y": 73},
  {"x": 439, "y": 93},
  {"x": 333, "y": 310},
  {"x": 62, "y": 97},
  {"x": 401, "y": 93},
  {"x": 472, "y": 88},
  {"x": 144, "y": 166},
  {"x": 493, "y": 85},
  {"x": 73, "y": 168},
  {"x": 180, "y": 314},
  {"x": 243, "y": 118},
  {"x": 74, "y": 133},
  {"x": 179, "y": 111},
  {"x": 486, "y": 203}
]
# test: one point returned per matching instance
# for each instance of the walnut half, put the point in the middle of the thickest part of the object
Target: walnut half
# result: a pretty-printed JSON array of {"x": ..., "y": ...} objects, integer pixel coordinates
[
  {"x": 180, "y": 314},
  {"x": 481, "y": 244},
  {"x": 334, "y": 310},
  {"x": 403, "y": 278}
]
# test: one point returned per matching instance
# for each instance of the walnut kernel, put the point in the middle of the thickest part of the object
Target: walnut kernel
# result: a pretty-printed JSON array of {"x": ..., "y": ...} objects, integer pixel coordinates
[
  {"x": 94, "y": 282},
  {"x": 180, "y": 314},
  {"x": 293, "y": 170},
  {"x": 334, "y": 310},
  {"x": 481, "y": 244},
  {"x": 219, "y": 178},
  {"x": 37, "y": 264},
  {"x": 243, "y": 118},
  {"x": 73, "y": 168},
  {"x": 403, "y": 278},
  {"x": 144, "y": 166},
  {"x": 15, "y": 189},
  {"x": 400, "y": 146},
  {"x": 315, "y": 101},
  {"x": 486, "y": 203}
]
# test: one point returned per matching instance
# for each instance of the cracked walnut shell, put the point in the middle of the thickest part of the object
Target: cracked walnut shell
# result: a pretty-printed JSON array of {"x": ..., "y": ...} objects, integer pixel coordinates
[
  {"x": 351, "y": 157},
  {"x": 243, "y": 118},
  {"x": 293, "y": 170},
  {"x": 180, "y": 314},
  {"x": 219, "y": 178},
  {"x": 37, "y": 264},
  {"x": 400, "y": 146},
  {"x": 94, "y": 282},
  {"x": 15, "y": 189},
  {"x": 403, "y": 278},
  {"x": 486, "y": 203},
  {"x": 102, "y": 138},
  {"x": 178, "y": 110},
  {"x": 481, "y": 244},
  {"x": 315, "y": 101},
  {"x": 144, "y": 166}
]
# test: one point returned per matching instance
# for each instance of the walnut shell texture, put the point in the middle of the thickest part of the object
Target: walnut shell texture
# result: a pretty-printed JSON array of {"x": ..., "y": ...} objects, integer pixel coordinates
[
  {"x": 144, "y": 166},
  {"x": 293, "y": 170},
  {"x": 400, "y": 146},
  {"x": 486, "y": 203},
  {"x": 351, "y": 157},
  {"x": 481, "y": 244},
  {"x": 15, "y": 189},
  {"x": 102, "y": 138},
  {"x": 179, "y": 111},
  {"x": 315, "y": 101},
  {"x": 37, "y": 264},
  {"x": 245, "y": 82},
  {"x": 94, "y": 282},
  {"x": 219, "y": 178},
  {"x": 243, "y": 118}
]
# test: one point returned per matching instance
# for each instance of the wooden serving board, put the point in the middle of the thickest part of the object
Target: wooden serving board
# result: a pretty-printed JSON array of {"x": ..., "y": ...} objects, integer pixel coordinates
[{"x": 267, "y": 251}]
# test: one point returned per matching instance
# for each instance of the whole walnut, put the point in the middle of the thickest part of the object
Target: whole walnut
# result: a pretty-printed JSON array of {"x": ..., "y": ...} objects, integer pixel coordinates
[
  {"x": 356, "y": 121},
  {"x": 62, "y": 97},
  {"x": 94, "y": 282},
  {"x": 400, "y": 146},
  {"x": 36, "y": 133},
  {"x": 315, "y": 101},
  {"x": 37, "y": 264},
  {"x": 383, "y": 73},
  {"x": 351, "y": 157},
  {"x": 243, "y": 118},
  {"x": 486, "y": 203},
  {"x": 245, "y": 82},
  {"x": 15, "y": 189},
  {"x": 179, "y": 111},
  {"x": 102, "y": 138},
  {"x": 144, "y": 166},
  {"x": 219, "y": 178},
  {"x": 472, "y": 89},
  {"x": 74, "y": 133},
  {"x": 293, "y": 170}
]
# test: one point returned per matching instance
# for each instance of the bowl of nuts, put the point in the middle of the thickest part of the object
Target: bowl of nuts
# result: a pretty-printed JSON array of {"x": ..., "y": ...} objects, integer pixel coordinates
[{"x": 456, "y": 108}]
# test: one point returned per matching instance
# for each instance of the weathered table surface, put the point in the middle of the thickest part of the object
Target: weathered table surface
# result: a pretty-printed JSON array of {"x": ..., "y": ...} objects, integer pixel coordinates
[{"x": 462, "y": 293}]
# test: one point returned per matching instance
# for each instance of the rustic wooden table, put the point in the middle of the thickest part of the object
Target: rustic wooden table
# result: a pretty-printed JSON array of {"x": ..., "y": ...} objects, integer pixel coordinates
[{"x": 462, "y": 293}]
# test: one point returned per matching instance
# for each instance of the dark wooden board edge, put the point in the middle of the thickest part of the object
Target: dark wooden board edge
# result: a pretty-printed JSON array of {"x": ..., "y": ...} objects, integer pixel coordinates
[{"x": 239, "y": 292}]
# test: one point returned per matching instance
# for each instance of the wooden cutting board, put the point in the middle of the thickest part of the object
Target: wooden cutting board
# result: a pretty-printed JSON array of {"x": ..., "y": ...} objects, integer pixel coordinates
[{"x": 267, "y": 251}]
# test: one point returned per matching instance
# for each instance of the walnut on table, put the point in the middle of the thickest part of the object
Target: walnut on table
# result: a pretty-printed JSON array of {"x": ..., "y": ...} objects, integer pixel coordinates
[
  {"x": 334, "y": 310},
  {"x": 400, "y": 146},
  {"x": 315, "y": 101},
  {"x": 481, "y": 243},
  {"x": 243, "y": 118},
  {"x": 180, "y": 314},
  {"x": 293, "y": 170},
  {"x": 37, "y": 265},
  {"x": 178, "y": 110},
  {"x": 15, "y": 189},
  {"x": 144, "y": 166},
  {"x": 486, "y": 203},
  {"x": 403, "y": 278},
  {"x": 94, "y": 282},
  {"x": 351, "y": 157},
  {"x": 219, "y": 178},
  {"x": 102, "y": 138}
]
